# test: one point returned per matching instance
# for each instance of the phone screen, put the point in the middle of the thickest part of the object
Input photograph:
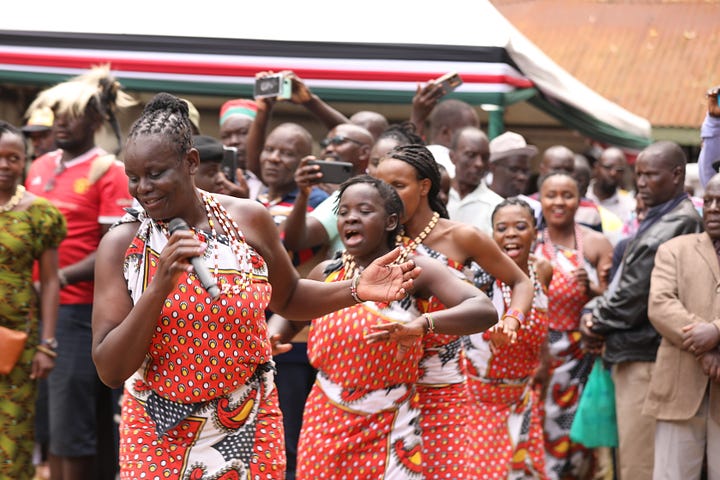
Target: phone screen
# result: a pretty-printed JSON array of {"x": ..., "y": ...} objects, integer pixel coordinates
[{"x": 229, "y": 162}]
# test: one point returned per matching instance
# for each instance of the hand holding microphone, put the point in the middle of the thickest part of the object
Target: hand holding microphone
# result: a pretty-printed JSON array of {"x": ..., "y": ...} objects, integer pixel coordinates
[{"x": 206, "y": 279}]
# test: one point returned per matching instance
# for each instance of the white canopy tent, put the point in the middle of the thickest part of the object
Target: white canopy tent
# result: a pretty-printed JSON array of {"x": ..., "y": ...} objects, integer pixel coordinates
[{"x": 368, "y": 51}]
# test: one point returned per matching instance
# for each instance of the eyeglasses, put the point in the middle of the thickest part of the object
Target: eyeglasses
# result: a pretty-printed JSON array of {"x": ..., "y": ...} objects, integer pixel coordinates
[{"x": 338, "y": 140}]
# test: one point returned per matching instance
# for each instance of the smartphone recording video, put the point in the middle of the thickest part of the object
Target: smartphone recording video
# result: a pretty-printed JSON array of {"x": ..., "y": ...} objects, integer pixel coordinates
[
  {"x": 333, "y": 172},
  {"x": 273, "y": 86},
  {"x": 449, "y": 82},
  {"x": 229, "y": 162}
]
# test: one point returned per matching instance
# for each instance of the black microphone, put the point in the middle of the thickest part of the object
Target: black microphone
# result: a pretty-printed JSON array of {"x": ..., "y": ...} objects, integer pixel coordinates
[{"x": 201, "y": 270}]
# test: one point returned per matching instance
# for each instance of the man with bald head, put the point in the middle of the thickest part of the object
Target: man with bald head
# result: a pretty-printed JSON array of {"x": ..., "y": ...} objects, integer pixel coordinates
[
  {"x": 557, "y": 158},
  {"x": 605, "y": 187},
  {"x": 619, "y": 319},
  {"x": 373, "y": 122},
  {"x": 446, "y": 118},
  {"x": 346, "y": 142},
  {"x": 471, "y": 201}
]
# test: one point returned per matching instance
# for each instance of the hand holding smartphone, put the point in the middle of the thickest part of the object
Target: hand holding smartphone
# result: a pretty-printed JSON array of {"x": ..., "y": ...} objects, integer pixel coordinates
[
  {"x": 333, "y": 172},
  {"x": 273, "y": 86},
  {"x": 449, "y": 82}
]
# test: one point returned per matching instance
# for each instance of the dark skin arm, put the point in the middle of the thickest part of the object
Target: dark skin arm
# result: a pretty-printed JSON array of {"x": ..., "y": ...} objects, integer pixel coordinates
[
  {"x": 425, "y": 99},
  {"x": 84, "y": 270},
  {"x": 598, "y": 250},
  {"x": 282, "y": 330},
  {"x": 255, "y": 141},
  {"x": 468, "y": 309},
  {"x": 121, "y": 335},
  {"x": 488, "y": 255},
  {"x": 49, "y": 300},
  {"x": 302, "y": 95},
  {"x": 303, "y": 231}
]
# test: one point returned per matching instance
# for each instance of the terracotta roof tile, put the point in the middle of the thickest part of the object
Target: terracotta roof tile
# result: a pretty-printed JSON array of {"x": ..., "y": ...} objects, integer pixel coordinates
[{"x": 654, "y": 58}]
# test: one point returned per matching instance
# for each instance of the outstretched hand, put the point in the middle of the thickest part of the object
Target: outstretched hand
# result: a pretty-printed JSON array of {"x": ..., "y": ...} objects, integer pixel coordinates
[
  {"x": 385, "y": 281},
  {"x": 406, "y": 335},
  {"x": 504, "y": 332}
]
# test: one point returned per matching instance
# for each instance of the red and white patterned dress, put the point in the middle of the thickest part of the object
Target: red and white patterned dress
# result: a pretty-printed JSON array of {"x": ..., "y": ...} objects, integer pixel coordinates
[
  {"x": 445, "y": 399},
  {"x": 507, "y": 424},
  {"x": 203, "y": 404},
  {"x": 361, "y": 417},
  {"x": 569, "y": 365}
]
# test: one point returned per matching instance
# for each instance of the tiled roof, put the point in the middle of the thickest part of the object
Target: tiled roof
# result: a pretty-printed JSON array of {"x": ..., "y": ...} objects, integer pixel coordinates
[{"x": 654, "y": 58}]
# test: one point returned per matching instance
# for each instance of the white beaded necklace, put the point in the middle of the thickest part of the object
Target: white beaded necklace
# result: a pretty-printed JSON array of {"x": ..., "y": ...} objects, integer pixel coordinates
[
  {"x": 230, "y": 228},
  {"x": 415, "y": 242},
  {"x": 14, "y": 200}
]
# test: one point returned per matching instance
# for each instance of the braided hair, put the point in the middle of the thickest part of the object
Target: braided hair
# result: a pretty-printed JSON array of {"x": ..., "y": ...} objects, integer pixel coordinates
[
  {"x": 514, "y": 202},
  {"x": 165, "y": 115},
  {"x": 392, "y": 202},
  {"x": 422, "y": 160}
]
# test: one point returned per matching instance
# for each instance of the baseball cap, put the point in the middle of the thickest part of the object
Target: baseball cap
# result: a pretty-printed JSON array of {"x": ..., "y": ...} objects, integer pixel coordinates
[
  {"x": 41, "y": 119},
  {"x": 209, "y": 148},
  {"x": 193, "y": 113},
  {"x": 510, "y": 144}
]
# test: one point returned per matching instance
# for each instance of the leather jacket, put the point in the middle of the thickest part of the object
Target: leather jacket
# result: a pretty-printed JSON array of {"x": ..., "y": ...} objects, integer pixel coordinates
[{"x": 621, "y": 316}]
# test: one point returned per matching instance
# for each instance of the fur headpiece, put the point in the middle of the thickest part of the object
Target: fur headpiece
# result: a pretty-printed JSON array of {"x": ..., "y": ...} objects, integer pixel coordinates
[{"x": 97, "y": 86}]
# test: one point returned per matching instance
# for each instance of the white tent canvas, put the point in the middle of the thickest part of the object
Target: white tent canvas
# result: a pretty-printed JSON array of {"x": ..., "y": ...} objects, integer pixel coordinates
[{"x": 371, "y": 51}]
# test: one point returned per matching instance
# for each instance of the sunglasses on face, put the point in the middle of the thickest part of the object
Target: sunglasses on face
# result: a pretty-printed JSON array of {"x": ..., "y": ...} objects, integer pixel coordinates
[{"x": 338, "y": 140}]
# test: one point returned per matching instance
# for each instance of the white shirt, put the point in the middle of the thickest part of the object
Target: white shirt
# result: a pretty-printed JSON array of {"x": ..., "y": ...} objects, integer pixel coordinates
[{"x": 476, "y": 208}]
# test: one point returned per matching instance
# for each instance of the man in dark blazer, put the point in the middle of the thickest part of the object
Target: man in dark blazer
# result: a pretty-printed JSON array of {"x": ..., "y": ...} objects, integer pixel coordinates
[{"x": 619, "y": 324}]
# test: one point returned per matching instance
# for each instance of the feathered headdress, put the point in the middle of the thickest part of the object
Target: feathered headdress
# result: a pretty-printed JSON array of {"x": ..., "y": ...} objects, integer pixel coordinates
[{"x": 73, "y": 96}]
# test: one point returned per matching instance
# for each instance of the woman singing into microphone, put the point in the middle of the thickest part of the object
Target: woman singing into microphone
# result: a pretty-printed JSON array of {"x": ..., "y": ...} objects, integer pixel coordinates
[{"x": 199, "y": 399}]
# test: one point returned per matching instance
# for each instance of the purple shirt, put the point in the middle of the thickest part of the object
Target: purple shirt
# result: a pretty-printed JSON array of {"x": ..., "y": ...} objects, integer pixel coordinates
[{"x": 710, "y": 151}]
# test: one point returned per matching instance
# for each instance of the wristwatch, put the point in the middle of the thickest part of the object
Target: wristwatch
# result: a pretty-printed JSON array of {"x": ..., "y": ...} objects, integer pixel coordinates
[{"x": 51, "y": 343}]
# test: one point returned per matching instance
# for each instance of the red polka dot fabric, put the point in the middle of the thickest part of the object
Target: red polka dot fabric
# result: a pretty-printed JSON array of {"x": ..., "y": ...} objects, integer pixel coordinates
[
  {"x": 506, "y": 424},
  {"x": 361, "y": 417},
  {"x": 203, "y": 405}
]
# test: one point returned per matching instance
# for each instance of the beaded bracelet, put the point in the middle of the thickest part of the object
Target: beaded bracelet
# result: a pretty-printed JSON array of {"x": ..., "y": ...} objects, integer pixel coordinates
[
  {"x": 46, "y": 351},
  {"x": 353, "y": 289},
  {"x": 429, "y": 323},
  {"x": 516, "y": 314}
]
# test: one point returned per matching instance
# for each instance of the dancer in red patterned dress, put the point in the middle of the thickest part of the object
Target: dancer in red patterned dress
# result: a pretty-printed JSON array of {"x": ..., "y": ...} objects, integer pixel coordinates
[
  {"x": 510, "y": 440},
  {"x": 581, "y": 258},
  {"x": 199, "y": 398},
  {"x": 361, "y": 418},
  {"x": 445, "y": 399}
]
